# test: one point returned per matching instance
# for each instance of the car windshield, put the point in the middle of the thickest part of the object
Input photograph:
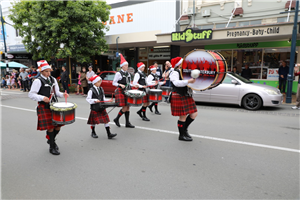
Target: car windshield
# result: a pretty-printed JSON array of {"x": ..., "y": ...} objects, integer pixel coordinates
[{"x": 240, "y": 78}]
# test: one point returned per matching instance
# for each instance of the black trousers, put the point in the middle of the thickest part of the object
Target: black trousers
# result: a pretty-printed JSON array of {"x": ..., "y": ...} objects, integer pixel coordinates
[
  {"x": 65, "y": 86},
  {"x": 85, "y": 90},
  {"x": 25, "y": 85},
  {"x": 282, "y": 83}
]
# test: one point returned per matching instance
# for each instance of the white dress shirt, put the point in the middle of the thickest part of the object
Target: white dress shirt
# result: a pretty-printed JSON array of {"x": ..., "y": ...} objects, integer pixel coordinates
[
  {"x": 118, "y": 77},
  {"x": 89, "y": 96},
  {"x": 174, "y": 77},
  {"x": 137, "y": 78},
  {"x": 150, "y": 78},
  {"x": 35, "y": 88},
  {"x": 89, "y": 75}
]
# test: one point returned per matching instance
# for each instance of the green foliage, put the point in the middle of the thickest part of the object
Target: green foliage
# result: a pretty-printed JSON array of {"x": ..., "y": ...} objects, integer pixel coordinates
[{"x": 44, "y": 25}]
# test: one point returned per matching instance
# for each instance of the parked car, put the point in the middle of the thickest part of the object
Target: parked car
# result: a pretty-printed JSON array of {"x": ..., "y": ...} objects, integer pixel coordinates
[
  {"x": 240, "y": 91},
  {"x": 107, "y": 80}
]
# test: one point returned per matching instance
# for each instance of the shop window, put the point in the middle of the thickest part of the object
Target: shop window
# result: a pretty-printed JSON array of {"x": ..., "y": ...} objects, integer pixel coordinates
[
  {"x": 211, "y": 26},
  {"x": 244, "y": 23},
  {"x": 233, "y": 24},
  {"x": 255, "y": 22},
  {"x": 281, "y": 19},
  {"x": 221, "y": 25}
]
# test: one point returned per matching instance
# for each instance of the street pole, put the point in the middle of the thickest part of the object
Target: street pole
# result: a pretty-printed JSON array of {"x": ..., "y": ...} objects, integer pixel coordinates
[
  {"x": 292, "y": 57},
  {"x": 5, "y": 50}
]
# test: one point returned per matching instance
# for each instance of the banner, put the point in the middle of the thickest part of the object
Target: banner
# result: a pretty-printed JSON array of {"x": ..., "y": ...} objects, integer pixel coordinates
[{"x": 273, "y": 74}]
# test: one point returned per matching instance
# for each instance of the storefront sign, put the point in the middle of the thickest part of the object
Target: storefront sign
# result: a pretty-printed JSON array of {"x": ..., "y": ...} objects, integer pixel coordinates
[
  {"x": 273, "y": 74},
  {"x": 22, "y": 56},
  {"x": 159, "y": 56},
  {"x": 16, "y": 48},
  {"x": 254, "y": 32},
  {"x": 189, "y": 35}
]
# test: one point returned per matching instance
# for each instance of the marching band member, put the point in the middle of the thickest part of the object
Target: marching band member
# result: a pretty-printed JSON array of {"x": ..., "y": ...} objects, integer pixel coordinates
[
  {"x": 154, "y": 77},
  {"x": 140, "y": 80},
  {"x": 182, "y": 103},
  {"x": 45, "y": 90},
  {"x": 122, "y": 81},
  {"x": 98, "y": 115}
]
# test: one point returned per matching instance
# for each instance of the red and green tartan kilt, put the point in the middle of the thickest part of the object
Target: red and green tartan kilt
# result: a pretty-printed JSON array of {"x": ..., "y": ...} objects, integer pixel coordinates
[
  {"x": 45, "y": 118},
  {"x": 98, "y": 117},
  {"x": 121, "y": 98},
  {"x": 182, "y": 105},
  {"x": 146, "y": 98}
]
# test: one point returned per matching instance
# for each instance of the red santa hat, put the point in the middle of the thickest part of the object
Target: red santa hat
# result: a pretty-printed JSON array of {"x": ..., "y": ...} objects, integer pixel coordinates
[
  {"x": 140, "y": 65},
  {"x": 94, "y": 79},
  {"x": 42, "y": 65},
  {"x": 152, "y": 67},
  {"x": 175, "y": 62},
  {"x": 123, "y": 61}
]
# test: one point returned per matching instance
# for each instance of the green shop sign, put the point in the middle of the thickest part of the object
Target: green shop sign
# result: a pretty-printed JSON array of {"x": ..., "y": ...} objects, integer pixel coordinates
[
  {"x": 189, "y": 35},
  {"x": 251, "y": 45}
]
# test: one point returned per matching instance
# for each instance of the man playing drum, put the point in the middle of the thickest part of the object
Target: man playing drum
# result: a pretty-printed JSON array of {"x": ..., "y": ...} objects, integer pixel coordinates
[
  {"x": 122, "y": 81},
  {"x": 45, "y": 90},
  {"x": 182, "y": 103},
  {"x": 140, "y": 80},
  {"x": 98, "y": 115},
  {"x": 153, "y": 78}
]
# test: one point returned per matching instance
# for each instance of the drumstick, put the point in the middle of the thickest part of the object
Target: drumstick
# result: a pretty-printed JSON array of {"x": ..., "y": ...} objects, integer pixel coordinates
[
  {"x": 66, "y": 96},
  {"x": 112, "y": 96}
]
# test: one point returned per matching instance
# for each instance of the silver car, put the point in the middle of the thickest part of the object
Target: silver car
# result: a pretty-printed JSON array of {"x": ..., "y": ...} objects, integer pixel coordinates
[{"x": 238, "y": 90}]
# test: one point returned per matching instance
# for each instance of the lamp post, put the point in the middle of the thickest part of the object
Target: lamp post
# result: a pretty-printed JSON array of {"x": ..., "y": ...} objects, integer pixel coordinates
[
  {"x": 3, "y": 33},
  {"x": 292, "y": 57}
]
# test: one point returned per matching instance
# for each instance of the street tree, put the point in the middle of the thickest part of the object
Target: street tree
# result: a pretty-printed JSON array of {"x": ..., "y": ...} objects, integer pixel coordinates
[{"x": 62, "y": 28}]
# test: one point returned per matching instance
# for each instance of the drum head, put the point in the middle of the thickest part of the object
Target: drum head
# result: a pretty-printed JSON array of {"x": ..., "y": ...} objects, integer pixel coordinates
[
  {"x": 135, "y": 92},
  {"x": 206, "y": 63},
  {"x": 63, "y": 105},
  {"x": 155, "y": 90}
]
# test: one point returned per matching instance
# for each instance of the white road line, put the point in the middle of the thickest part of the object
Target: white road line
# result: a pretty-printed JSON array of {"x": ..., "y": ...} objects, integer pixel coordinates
[{"x": 195, "y": 136}]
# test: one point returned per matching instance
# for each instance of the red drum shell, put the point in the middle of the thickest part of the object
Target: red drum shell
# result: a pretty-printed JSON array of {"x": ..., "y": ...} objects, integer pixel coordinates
[
  {"x": 63, "y": 117},
  {"x": 134, "y": 101},
  {"x": 166, "y": 91},
  {"x": 155, "y": 95},
  {"x": 212, "y": 68}
]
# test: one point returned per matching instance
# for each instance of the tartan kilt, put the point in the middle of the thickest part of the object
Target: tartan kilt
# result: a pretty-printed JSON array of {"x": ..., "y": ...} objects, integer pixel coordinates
[
  {"x": 45, "y": 118},
  {"x": 120, "y": 97},
  {"x": 146, "y": 98},
  {"x": 98, "y": 117},
  {"x": 182, "y": 105}
]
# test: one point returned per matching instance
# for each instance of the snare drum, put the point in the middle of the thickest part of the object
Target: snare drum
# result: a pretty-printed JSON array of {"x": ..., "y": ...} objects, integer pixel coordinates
[
  {"x": 155, "y": 95},
  {"x": 135, "y": 97},
  {"x": 63, "y": 113},
  {"x": 166, "y": 90},
  {"x": 212, "y": 66}
]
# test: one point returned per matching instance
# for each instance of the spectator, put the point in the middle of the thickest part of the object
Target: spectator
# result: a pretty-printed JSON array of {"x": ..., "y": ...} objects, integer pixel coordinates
[
  {"x": 29, "y": 78},
  {"x": 246, "y": 73},
  {"x": 79, "y": 84},
  {"x": 64, "y": 78},
  {"x": 23, "y": 78},
  {"x": 283, "y": 72},
  {"x": 8, "y": 81},
  {"x": 55, "y": 72},
  {"x": 3, "y": 83},
  {"x": 89, "y": 74},
  {"x": 34, "y": 74},
  {"x": 235, "y": 71},
  {"x": 16, "y": 78},
  {"x": 158, "y": 70},
  {"x": 13, "y": 82},
  {"x": 166, "y": 73},
  {"x": 83, "y": 80},
  {"x": 98, "y": 72},
  {"x": 297, "y": 73}
]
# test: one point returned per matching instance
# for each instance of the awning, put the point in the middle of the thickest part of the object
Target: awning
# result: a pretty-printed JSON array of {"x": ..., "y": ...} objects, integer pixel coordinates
[{"x": 12, "y": 65}]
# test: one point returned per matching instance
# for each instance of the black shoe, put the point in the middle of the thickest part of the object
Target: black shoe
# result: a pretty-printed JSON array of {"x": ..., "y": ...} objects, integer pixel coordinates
[
  {"x": 145, "y": 119},
  {"x": 117, "y": 122},
  {"x": 157, "y": 113},
  {"x": 110, "y": 136},
  {"x": 94, "y": 135},
  {"x": 56, "y": 147},
  {"x": 184, "y": 138},
  {"x": 140, "y": 113},
  {"x": 150, "y": 108},
  {"x": 54, "y": 151},
  {"x": 129, "y": 125},
  {"x": 187, "y": 134}
]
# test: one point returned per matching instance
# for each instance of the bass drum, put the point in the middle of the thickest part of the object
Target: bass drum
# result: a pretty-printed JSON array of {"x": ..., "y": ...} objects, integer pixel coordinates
[{"x": 212, "y": 66}]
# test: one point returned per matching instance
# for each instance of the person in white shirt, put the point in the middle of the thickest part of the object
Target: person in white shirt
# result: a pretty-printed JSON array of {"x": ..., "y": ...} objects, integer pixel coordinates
[
  {"x": 182, "y": 103},
  {"x": 122, "y": 81},
  {"x": 45, "y": 90},
  {"x": 140, "y": 80},
  {"x": 89, "y": 74},
  {"x": 98, "y": 114},
  {"x": 153, "y": 79}
]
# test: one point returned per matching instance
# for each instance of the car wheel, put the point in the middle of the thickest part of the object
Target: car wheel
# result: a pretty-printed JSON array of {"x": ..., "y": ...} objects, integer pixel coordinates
[{"x": 252, "y": 102}]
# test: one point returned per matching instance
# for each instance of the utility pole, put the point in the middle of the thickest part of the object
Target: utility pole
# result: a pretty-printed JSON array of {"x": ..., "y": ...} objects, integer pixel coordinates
[
  {"x": 3, "y": 33},
  {"x": 292, "y": 57}
]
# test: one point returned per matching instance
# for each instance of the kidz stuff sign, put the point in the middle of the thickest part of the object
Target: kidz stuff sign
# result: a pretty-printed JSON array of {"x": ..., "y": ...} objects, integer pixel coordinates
[{"x": 273, "y": 74}]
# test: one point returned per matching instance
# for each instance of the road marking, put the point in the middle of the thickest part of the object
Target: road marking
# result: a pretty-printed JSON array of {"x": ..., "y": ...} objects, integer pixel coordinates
[{"x": 195, "y": 136}]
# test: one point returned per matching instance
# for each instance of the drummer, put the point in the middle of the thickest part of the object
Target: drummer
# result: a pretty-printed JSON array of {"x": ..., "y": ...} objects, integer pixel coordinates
[
  {"x": 122, "y": 81},
  {"x": 45, "y": 90},
  {"x": 140, "y": 80},
  {"x": 153, "y": 79},
  {"x": 96, "y": 95},
  {"x": 182, "y": 103}
]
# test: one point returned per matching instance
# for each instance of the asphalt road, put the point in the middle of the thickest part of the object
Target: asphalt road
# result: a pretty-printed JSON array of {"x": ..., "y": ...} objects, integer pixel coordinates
[{"x": 236, "y": 154}]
